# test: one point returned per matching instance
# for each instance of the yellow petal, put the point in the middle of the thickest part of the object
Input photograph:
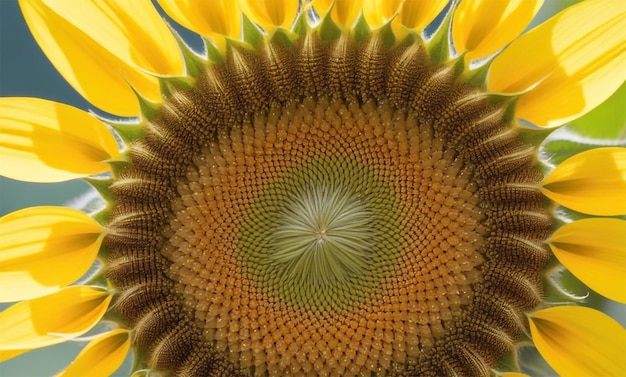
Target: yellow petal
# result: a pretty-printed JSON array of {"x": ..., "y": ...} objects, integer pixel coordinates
[
  {"x": 45, "y": 141},
  {"x": 592, "y": 182},
  {"x": 51, "y": 319},
  {"x": 271, "y": 14},
  {"x": 579, "y": 341},
  {"x": 213, "y": 20},
  {"x": 101, "y": 357},
  {"x": 44, "y": 249},
  {"x": 416, "y": 14},
  {"x": 379, "y": 12},
  {"x": 569, "y": 65},
  {"x": 481, "y": 36},
  {"x": 594, "y": 250},
  {"x": 344, "y": 12},
  {"x": 101, "y": 46}
]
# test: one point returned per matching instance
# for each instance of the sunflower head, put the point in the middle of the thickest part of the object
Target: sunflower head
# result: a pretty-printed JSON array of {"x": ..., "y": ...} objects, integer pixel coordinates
[{"x": 327, "y": 190}]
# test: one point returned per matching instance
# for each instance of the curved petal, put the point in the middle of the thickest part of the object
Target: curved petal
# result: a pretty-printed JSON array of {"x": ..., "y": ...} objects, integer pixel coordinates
[
  {"x": 214, "y": 20},
  {"x": 481, "y": 36},
  {"x": 45, "y": 141},
  {"x": 416, "y": 14},
  {"x": 51, "y": 319},
  {"x": 99, "y": 47},
  {"x": 569, "y": 65},
  {"x": 579, "y": 341},
  {"x": 271, "y": 14},
  {"x": 44, "y": 249},
  {"x": 101, "y": 357},
  {"x": 592, "y": 182},
  {"x": 594, "y": 250},
  {"x": 344, "y": 12},
  {"x": 379, "y": 12}
]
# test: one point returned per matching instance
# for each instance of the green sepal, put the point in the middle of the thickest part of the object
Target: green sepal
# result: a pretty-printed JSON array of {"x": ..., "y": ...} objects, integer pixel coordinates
[
  {"x": 458, "y": 64},
  {"x": 282, "y": 37},
  {"x": 251, "y": 33},
  {"x": 129, "y": 132},
  {"x": 361, "y": 30},
  {"x": 508, "y": 362},
  {"x": 170, "y": 85},
  {"x": 510, "y": 103},
  {"x": 328, "y": 29},
  {"x": 386, "y": 34},
  {"x": 149, "y": 109},
  {"x": 439, "y": 45},
  {"x": 102, "y": 216},
  {"x": 478, "y": 76},
  {"x": 560, "y": 286},
  {"x": 102, "y": 186},
  {"x": 301, "y": 26},
  {"x": 194, "y": 63},
  {"x": 534, "y": 136},
  {"x": 213, "y": 54},
  {"x": 118, "y": 166}
]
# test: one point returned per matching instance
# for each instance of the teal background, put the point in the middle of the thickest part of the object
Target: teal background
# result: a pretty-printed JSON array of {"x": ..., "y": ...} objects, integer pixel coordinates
[{"x": 25, "y": 71}]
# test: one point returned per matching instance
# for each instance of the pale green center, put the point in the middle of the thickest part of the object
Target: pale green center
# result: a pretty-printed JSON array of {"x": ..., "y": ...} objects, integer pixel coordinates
[{"x": 324, "y": 236}]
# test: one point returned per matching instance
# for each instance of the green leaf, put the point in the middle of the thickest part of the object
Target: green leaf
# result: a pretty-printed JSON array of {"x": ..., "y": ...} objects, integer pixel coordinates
[{"x": 607, "y": 121}]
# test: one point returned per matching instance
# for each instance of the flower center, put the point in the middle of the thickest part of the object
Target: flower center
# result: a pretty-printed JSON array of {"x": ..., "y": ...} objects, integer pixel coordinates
[
  {"x": 294, "y": 215},
  {"x": 316, "y": 240}
]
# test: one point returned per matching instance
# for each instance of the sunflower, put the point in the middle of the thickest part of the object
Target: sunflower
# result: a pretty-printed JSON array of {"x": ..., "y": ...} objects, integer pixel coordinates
[{"x": 331, "y": 188}]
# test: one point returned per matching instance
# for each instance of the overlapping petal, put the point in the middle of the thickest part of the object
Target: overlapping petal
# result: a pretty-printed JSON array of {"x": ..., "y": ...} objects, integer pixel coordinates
[
  {"x": 568, "y": 65},
  {"x": 579, "y": 341},
  {"x": 379, "y": 12},
  {"x": 101, "y": 357},
  {"x": 99, "y": 47},
  {"x": 416, "y": 14},
  {"x": 592, "y": 182},
  {"x": 215, "y": 20},
  {"x": 271, "y": 14},
  {"x": 44, "y": 249},
  {"x": 51, "y": 319},
  {"x": 45, "y": 141},
  {"x": 480, "y": 35},
  {"x": 344, "y": 12},
  {"x": 594, "y": 250}
]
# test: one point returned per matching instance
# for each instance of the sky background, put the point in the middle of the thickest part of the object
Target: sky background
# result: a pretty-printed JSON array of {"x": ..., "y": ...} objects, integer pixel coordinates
[{"x": 25, "y": 71}]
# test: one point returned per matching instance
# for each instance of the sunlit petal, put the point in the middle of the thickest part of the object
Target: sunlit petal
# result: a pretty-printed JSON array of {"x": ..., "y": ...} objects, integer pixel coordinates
[
  {"x": 579, "y": 341},
  {"x": 215, "y": 20},
  {"x": 594, "y": 250},
  {"x": 480, "y": 35},
  {"x": 52, "y": 319},
  {"x": 416, "y": 14},
  {"x": 379, "y": 12},
  {"x": 99, "y": 47},
  {"x": 570, "y": 64},
  {"x": 101, "y": 357},
  {"x": 45, "y": 141},
  {"x": 44, "y": 249},
  {"x": 592, "y": 182},
  {"x": 271, "y": 14},
  {"x": 344, "y": 12}
]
